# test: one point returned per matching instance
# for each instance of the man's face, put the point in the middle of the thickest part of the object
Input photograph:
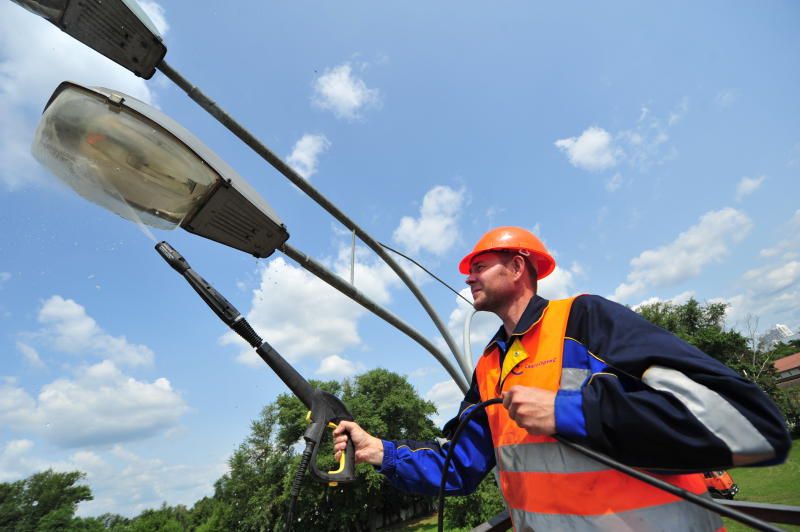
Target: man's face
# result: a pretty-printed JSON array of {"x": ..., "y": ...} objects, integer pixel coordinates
[{"x": 490, "y": 280}]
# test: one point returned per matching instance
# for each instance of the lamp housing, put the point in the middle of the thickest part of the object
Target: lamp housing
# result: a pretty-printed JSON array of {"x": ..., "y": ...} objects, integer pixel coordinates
[
  {"x": 118, "y": 29},
  {"x": 132, "y": 159}
]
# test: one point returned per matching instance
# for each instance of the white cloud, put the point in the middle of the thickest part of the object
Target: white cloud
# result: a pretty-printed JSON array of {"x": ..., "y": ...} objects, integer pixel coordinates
[
  {"x": 4, "y": 277},
  {"x": 678, "y": 299},
  {"x": 71, "y": 330},
  {"x": 30, "y": 354},
  {"x": 447, "y": 396},
  {"x": 788, "y": 245},
  {"x": 614, "y": 183},
  {"x": 127, "y": 483},
  {"x": 425, "y": 371},
  {"x": 16, "y": 462},
  {"x": 561, "y": 283},
  {"x": 677, "y": 114},
  {"x": 747, "y": 186},
  {"x": 300, "y": 315},
  {"x": 372, "y": 276},
  {"x": 156, "y": 14},
  {"x": 771, "y": 292},
  {"x": 36, "y": 57},
  {"x": 337, "y": 367},
  {"x": 684, "y": 258},
  {"x": 340, "y": 91},
  {"x": 592, "y": 150},
  {"x": 100, "y": 405},
  {"x": 641, "y": 146},
  {"x": 436, "y": 228},
  {"x": 305, "y": 153},
  {"x": 773, "y": 278},
  {"x": 121, "y": 481},
  {"x": 647, "y": 143}
]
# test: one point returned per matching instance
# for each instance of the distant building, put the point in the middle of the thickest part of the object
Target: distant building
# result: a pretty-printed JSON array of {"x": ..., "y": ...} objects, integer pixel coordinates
[
  {"x": 777, "y": 334},
  {"x": 788, "y": 369}
]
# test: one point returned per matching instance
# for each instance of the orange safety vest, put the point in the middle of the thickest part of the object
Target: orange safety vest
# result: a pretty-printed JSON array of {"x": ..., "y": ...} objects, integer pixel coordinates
[{"x": 548, "y": 486}]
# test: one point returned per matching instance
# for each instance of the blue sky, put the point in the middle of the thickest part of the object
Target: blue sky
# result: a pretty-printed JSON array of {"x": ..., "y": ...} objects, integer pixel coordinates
[{"x": 654, "y": 148}]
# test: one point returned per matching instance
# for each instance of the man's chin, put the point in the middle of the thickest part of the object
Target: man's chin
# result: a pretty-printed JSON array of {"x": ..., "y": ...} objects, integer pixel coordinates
[{"x": 481, "y": 304}]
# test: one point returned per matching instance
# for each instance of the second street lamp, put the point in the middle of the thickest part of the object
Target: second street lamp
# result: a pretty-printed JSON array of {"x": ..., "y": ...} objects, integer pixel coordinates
[{"x": 132, "y": 159}]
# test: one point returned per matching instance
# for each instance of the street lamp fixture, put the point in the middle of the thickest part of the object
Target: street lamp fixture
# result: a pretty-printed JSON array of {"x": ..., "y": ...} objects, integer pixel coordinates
[
  {"x": 118, "y": 29},
  {"x": 132, "y": 159}
]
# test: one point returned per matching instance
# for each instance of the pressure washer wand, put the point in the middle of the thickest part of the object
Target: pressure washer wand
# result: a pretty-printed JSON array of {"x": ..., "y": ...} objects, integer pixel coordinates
[
  {"x": 234, "y": 319},
  {"x": 326, "y": 410}
]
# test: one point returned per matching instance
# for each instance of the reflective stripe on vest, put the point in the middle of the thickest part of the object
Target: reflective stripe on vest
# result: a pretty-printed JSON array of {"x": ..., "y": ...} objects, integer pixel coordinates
[
  {"x": 552, "y": 487},
  {"x": 680, "y": 515}
]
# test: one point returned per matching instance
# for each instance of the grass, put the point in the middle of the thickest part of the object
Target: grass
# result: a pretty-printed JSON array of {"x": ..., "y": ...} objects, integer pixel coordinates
[
  {"x": 774, "y": 485},
  {"x": 420, "y": 524}
]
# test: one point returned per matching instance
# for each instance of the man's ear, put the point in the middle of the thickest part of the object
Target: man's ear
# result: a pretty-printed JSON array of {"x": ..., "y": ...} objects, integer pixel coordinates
[{"x": 519, "y": 263}]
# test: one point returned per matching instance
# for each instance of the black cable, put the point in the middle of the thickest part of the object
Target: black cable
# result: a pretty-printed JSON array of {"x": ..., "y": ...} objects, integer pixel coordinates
[
  {"x": 296, "y": 482},
  {"x": 426, "y": 270},
  {"x": 463, "y": 423},
  {"x": 708, "y": 504}
]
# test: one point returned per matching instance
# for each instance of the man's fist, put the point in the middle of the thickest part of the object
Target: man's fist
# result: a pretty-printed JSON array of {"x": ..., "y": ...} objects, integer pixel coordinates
[
  {"x": 369, "y": 449},
  {"x": 533, "y": 409}
]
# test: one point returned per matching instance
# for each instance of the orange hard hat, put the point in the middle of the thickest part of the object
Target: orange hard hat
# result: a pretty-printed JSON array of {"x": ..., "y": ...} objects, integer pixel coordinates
[{"x": 513, "y": 239}]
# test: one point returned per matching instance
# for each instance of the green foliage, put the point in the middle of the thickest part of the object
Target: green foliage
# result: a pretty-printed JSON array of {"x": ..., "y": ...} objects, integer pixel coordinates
[
  {"x": 701, "y": 326},
  {"x": 44, "y": 501},
  {"x": 783, "y": 349},
  {"x": 254, "y": 494},
  {"x": 476, "y": 508}
]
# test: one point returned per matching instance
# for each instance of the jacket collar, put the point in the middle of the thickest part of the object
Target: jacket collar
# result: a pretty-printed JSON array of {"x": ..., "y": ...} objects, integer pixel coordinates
[{"x": 530, "y": 317}]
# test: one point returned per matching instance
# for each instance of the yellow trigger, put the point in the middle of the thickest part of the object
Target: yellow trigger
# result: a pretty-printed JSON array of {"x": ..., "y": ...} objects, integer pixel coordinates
[
  {"x": 515, "y": 354},
  {"x": 331, "y": 424}
]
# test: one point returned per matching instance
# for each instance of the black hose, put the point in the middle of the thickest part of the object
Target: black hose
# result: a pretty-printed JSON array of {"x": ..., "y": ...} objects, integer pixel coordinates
[
  {"x": 296, "y": 482},
  {"x": 463, "y": 423},
  {"x": 709, "y": 504}
]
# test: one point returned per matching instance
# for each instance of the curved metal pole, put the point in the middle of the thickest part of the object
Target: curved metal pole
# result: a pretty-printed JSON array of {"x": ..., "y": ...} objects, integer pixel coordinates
[
  {"x": 353, "y": 293},
  {"x": 245, "y": 136},
  {"x": 468, "y": 359}
]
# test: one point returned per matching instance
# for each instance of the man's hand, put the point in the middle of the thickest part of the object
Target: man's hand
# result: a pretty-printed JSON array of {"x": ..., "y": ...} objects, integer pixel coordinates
[
  {"x": 369, "y": 449},
  {"x": 533, "y": 409}
]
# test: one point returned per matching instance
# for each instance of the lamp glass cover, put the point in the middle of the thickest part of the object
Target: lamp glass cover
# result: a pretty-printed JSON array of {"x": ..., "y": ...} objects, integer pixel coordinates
[{"x": 120, "y": 160}]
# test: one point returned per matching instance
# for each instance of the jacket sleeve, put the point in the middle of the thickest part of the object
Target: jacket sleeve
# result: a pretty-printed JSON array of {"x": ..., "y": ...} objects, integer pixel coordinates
[
  {"x": 655, "y": 401},
  {"x": 416, "y": 466}
]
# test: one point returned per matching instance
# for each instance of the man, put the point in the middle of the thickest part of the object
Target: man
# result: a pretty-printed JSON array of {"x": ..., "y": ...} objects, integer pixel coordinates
[{"x": 599, "y": 374}]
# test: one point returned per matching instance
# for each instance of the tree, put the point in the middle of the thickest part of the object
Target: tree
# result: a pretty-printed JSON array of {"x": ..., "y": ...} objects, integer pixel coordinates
[
  {"x": 702, "y": 326},
  {"x": 253, "y": 495},
  {"x": 784, "y": 349},
  {"x": 475, "y": 508},
  {"x": 45, "y": 501}
]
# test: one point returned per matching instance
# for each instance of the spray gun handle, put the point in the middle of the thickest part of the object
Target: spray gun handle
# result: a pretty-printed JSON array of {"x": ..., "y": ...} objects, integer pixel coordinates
[{"x": 326, "y": 411}]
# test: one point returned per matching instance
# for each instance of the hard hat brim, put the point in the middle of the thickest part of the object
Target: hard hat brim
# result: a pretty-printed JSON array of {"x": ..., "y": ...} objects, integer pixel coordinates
[{"x": 545, "y": 264}]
